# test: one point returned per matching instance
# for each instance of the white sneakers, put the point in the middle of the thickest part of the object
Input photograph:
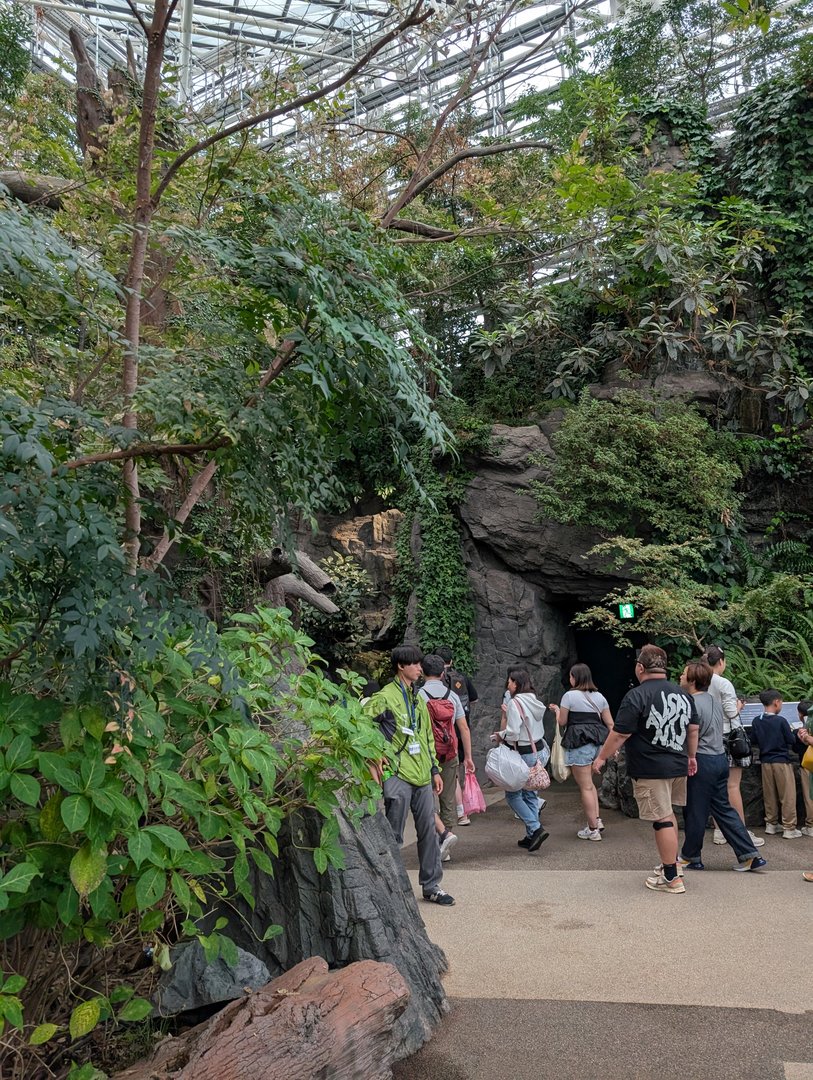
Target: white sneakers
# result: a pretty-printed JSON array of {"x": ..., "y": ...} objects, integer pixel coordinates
[
  {"x": 757, "y": 841},
  {"x": 807, "y": 830},
  {"x": 719, "y": 838},
  {"x": 588, "y": 834},
  {"x": 772, "y": 830},
  {"x": 446, "y": 847},
  {"x": 791, "y": 834}
]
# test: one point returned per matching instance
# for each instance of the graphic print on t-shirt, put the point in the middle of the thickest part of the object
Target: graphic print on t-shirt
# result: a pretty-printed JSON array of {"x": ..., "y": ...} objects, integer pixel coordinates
[{"x": 670, "y": 721}]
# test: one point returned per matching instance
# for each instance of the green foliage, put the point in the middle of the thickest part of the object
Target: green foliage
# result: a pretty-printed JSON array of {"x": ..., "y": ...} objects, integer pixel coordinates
[
  {"x": 130, "y": 814},
  {"x": 339, "y": 639},
  {"x": 15, "y": 54},
  {"x": 772, "y": 160},
  {"x": 639, "y": 467},
  {"x": 429, "y": 553}
]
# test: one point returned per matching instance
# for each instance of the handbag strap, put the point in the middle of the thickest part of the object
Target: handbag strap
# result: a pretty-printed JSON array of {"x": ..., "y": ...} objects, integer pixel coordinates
[{"x": 525, "y": 722}]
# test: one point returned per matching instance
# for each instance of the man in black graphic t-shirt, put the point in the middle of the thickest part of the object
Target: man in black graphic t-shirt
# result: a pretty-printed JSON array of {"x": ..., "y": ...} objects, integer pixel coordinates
[{"x": 657, "y": 725}]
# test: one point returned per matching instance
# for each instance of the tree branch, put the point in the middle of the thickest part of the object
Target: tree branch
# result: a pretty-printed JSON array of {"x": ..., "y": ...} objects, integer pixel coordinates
[
  {"x": 473, "y": 152},
  {"x": 32, "y": 188},
  {"x": 142, "y": 450},
  {"x": 415, "y": 17}
]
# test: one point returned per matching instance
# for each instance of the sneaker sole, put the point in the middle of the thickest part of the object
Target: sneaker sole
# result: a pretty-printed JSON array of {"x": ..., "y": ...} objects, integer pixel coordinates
[
  {"x": 595, "y": 839},
  {"x": 720, "y": 842},
  {"x": 667, "y": 888},
  {"x": 446, "y": 847}
]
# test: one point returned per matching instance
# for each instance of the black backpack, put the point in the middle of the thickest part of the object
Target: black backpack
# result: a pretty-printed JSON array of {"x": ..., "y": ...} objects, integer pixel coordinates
[{"x": 457, "y": 682}]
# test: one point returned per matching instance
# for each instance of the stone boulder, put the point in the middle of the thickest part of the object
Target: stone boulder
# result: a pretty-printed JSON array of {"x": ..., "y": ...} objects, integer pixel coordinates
[
  {"x": 193, "y": 983},
  {"x": 309, "y": 1022},
  {"x": 367, "y": 911}
]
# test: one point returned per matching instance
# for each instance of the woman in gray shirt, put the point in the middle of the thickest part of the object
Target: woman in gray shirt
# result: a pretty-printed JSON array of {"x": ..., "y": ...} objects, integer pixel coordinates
[{"x": 707, "y": 788}]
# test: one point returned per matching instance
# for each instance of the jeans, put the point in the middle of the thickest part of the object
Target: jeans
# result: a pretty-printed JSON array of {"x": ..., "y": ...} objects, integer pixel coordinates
[
  {"x": 525, "y": 804},
  {"x": 401, "y": 797},
  {"x": 707, "y": 792}
]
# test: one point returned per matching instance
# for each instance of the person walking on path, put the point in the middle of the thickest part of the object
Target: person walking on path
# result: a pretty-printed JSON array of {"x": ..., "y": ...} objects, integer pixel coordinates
[
  {"x": 777, "y": 745},
  {"x": 466, "y": 691},
  {"x": 412, "y": 774},
  {"x": 524, "y": 729},
  {"x": 446, "y": 712},
  {"x": 723, "y": 692},
  {"x": 656, "y": 724},
  {"x": 585, "y": 717},
  {"x": 707, "y": 790},
  {"x": 805, "y": 737},
  {"x": 805, "y": 778}
]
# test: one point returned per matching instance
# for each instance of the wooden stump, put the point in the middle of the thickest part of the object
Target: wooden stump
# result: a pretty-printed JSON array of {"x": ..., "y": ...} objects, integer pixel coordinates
[{"x": 308, "y": 1023}]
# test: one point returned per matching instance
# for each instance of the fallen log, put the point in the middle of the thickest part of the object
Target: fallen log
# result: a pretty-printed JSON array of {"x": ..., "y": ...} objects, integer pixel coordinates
[{"x": 309, "y": 1022}]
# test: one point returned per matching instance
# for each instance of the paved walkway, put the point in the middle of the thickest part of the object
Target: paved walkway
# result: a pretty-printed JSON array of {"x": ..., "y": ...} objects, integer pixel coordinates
[{"x": 561, "y": 963}]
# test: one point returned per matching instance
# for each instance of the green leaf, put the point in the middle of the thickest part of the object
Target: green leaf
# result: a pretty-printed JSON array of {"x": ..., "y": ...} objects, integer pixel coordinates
[
  {"x": 70, "y": 728},
  {"x": 150, "y": 887},
  {"x": 42, "y": 1034},
  {"x": 18, "y": 753},
  {"x": 151, "y": 921},
  {"x": 136, "y": 1009},
  {"x": 88, "y": 869},
  {"x": 14, "y": 984},
  {"x": 67, "y": 905},
  {"x": 19, "y": 877},
  {"x": 12, "y": 1008},
  {"x": 25, "y": 788},
  {"x": 271, "y": 931},
  {"x": 93, "y": 772},
  {"x": 169, "y": 837},
  {"x": 320, "y": 859},
  {"x": 75, "y": 811},
  {"x": 84, "y": 1018},
  {"x": 139, "y": 847},
  {"x": 51, "y": 825},
  {"x": 93, "y": 721}
]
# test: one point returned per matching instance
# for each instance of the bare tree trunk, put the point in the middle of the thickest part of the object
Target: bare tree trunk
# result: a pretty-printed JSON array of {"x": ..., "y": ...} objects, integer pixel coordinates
[{"x": 134, "y": 279}]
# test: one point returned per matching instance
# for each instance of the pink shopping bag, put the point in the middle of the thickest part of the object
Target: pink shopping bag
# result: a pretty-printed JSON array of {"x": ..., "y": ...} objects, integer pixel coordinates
[{"x": 473, "y": 801}]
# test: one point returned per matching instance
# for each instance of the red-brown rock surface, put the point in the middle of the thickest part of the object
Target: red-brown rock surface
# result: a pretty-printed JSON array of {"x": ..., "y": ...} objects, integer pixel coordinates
[{"x": 308, "y": 1023}]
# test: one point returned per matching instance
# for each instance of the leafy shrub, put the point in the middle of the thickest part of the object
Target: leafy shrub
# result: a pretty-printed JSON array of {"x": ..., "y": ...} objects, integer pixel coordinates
[
  {"x": 340, "y": 638},
  {"x": 639, "y": 467},
  {"x": 130, "y": 816}
]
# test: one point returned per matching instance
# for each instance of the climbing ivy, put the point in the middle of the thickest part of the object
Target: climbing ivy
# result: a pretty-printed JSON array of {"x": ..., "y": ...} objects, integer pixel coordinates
[
  {"x": 772, "y": 160},
  {"x": 433, "y": 568}
]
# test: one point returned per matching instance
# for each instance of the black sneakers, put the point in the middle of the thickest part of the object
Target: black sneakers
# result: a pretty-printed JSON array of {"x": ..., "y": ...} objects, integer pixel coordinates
[
  {"x": 438, "y": 896},
  {"x": 535, "y": 842}
]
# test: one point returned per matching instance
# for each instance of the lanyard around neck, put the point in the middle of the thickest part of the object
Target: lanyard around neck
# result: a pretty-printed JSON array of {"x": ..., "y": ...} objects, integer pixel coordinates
[{"x": 409, "y": 702}]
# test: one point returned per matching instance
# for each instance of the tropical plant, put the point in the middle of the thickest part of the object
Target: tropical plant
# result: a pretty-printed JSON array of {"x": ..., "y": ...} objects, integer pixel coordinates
[{"x": 128, "y": 817}]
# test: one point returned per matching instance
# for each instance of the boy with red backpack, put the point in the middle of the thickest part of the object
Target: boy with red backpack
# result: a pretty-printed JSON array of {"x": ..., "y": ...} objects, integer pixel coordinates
[{"x": 448, "y": 719}]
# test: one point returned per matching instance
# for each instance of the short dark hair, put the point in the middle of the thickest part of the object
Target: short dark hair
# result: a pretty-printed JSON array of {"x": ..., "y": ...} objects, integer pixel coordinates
[
  {"x": 405, "y": 654},
  {"x": 768, "y": 697},
  {"x": 699, "y": 674},
  {"x": 652, "y": 658},
  {"x": 445, "y": 653},
  {"x": 713, "y": 655},
  {"x": 582, "y": 677},
  {"x": 522, "y": 679},
  {"x": 432, "y": 665},
  {"x": 804, "y": 707}
]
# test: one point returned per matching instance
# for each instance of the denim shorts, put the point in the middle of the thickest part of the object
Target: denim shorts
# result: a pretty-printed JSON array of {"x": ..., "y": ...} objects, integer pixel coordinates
[{"x": 582, "y": 755}]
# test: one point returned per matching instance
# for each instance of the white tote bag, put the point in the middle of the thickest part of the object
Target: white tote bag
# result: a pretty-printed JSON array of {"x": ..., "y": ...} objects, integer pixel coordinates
[
  {"x": 506, "y": 769},
  {"x": 558, "y": 770}
]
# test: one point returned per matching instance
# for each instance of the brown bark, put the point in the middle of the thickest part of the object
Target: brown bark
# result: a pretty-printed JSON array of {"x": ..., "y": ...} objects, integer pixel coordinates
[
  {"x": 297, "y": 589},
  {"x": 33, "y": 188},
  {"x": 134, "y": 279},
  {"x": 91, "y": 112},
  {"x": 308, "y": 1022}
]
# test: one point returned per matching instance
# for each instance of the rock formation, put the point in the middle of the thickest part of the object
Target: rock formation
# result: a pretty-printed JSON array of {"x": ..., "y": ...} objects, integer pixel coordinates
[
  {"x": 366, "y": 911},
  {"x": 309, "y": 1022}
]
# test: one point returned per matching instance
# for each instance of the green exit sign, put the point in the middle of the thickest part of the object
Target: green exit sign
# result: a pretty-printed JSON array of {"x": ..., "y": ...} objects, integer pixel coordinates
[{"x": 626, "y": 611}]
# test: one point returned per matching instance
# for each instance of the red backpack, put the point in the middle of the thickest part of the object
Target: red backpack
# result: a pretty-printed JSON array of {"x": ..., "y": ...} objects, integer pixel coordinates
[{"x": 441, "y": 712}]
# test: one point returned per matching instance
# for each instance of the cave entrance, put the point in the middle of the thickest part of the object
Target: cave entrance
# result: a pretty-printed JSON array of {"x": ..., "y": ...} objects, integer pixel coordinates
[{"x": 613, "y": 665}]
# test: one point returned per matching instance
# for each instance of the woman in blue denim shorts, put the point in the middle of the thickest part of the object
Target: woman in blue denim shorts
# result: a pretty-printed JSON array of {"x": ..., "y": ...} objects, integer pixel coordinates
[{"x": 585, "y": 717}]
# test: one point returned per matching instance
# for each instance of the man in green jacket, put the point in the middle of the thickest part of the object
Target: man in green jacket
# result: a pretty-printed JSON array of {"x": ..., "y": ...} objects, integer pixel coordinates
[{"x": 412, "y": 776}]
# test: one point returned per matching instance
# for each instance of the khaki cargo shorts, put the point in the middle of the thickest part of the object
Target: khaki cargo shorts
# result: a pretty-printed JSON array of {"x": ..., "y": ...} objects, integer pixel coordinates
[{"x": 656, "y": 798}]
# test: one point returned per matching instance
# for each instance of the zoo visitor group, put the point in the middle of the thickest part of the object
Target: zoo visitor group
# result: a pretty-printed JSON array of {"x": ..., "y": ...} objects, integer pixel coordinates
[{"x": 684, "y": 743}]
